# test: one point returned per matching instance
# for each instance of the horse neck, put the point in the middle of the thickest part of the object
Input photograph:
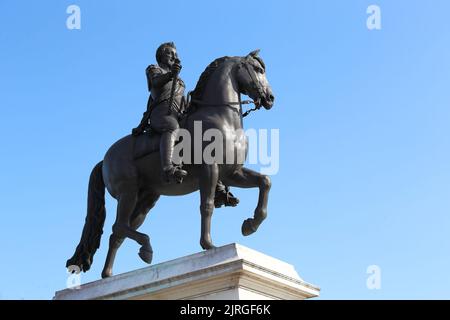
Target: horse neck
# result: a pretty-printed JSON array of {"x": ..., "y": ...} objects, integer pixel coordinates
[{"x": 222, "y": 88}]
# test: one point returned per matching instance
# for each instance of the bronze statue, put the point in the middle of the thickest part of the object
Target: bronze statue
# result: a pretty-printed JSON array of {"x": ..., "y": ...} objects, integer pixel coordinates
[{"x": 131, "y": 169}]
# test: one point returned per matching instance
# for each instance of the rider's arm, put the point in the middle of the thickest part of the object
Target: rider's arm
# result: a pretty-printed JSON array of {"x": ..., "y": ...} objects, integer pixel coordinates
[{"x": 156, "y": 78}]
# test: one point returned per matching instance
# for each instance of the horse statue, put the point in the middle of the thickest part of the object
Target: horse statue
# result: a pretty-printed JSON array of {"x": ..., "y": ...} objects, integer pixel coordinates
[{"x": 131, "y": 169}]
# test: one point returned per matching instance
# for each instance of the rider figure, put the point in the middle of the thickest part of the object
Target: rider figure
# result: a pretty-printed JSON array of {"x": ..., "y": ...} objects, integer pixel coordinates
[{"x": 164, "y": 118}]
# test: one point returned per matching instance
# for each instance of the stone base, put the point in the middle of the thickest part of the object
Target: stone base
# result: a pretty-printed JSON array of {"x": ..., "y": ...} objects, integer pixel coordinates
[{"x": 231, "y": 272}]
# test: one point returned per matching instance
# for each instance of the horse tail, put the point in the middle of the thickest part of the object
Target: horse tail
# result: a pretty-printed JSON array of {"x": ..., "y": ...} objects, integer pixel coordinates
[{"x": 95, "y": 219}]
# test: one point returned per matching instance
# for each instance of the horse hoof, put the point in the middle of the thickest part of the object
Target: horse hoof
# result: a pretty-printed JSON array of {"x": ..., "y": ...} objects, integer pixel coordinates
[
  {"x": 206, "y": 245},
  {"x": 146, "y": 255},
  {"x": 248, "y": 228},
  {"x": 106, "y": 274}
]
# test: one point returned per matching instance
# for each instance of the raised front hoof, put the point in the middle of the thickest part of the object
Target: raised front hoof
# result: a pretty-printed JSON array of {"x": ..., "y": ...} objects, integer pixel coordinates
[
  {"x": 106, "y": 274},
  {"x": 207, "y": 245},
  {"x": 248, "y": 227},
  {"x": 146, "y": 255}
]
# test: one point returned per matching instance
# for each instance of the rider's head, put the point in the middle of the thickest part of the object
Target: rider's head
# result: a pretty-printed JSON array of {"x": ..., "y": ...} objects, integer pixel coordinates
[{"x": 166, "y": 55}]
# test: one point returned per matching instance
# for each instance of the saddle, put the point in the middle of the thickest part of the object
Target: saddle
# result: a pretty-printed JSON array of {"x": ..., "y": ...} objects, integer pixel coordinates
[{"x": 148, "y": 141}]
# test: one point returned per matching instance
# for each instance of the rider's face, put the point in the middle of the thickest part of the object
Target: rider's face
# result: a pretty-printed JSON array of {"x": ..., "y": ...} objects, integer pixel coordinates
[{"x": 169, "y": 56}]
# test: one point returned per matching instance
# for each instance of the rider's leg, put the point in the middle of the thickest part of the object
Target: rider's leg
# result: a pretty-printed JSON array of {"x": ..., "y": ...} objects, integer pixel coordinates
[
  {"x": 167, "y": 125},
  {"x": 220, "y": 187},
  {"x": 166, "y": 151},
  {"x": 223, "y": 196}
]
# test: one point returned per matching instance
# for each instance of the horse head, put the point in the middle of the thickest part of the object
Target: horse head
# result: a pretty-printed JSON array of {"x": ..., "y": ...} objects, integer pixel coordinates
[{"x": 252, "y": 80}]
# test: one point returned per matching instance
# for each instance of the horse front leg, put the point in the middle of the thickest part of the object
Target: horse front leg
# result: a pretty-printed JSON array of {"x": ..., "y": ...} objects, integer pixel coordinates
[
  {"x": 209, "y": 175},
  {"x": 246, "y": 178}
]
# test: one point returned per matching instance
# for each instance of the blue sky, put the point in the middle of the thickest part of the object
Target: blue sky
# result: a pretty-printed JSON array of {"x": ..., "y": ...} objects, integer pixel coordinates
[{"x": 363, "y": 116}]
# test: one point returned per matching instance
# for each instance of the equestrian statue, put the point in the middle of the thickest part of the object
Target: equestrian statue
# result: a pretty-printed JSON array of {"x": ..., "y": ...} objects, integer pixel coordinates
[{"x": 142, "y": 166}]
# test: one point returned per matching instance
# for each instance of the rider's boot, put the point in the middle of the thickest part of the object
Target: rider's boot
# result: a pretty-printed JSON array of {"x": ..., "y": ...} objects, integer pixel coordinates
[
  {"x": 224, "y": 197},
  {"x": 171, "y": 172}
]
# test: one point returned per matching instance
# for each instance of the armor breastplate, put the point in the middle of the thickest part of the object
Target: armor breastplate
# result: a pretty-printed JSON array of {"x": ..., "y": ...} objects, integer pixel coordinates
[{"x": 161, "y": 94}]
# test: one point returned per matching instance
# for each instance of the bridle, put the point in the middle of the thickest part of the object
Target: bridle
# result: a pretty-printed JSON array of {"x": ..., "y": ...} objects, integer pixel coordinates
[{"x": 255, "y": 86}]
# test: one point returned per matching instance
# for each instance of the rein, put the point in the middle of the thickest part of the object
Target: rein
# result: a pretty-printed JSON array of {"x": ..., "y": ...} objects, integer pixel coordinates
[
  {"x": 233, "y": 103},
  {"x": 246, "y": 113},
  {"x": 230, "y": 103}
]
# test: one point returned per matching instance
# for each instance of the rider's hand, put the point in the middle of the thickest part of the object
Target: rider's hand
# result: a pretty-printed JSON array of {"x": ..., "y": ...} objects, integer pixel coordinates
[{"x": 176, "y": 67}]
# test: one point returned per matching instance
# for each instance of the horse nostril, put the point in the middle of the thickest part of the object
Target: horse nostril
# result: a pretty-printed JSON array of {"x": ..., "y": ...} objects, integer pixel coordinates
[{"x": 271, "y": 98}]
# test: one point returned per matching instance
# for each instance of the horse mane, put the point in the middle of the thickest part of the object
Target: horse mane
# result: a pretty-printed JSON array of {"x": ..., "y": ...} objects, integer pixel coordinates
[{"x": 197, "y": 93}]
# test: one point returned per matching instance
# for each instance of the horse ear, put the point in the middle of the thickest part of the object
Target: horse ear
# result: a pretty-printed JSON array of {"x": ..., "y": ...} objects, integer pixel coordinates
[{"x": 254, "y": 53}]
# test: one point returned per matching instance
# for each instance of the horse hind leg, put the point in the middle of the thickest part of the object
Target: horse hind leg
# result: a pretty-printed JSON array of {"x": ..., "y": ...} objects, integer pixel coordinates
[
  {"x": 127, "y": 202},
  {"x": 208, "y": 180},
  {"x": 114, "y": 244},
  {"x": 145, "y": 203}
]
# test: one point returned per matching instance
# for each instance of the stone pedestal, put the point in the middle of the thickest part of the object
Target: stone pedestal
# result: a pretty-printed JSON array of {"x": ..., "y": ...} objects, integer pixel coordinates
[{"x": 231, "y": 272}]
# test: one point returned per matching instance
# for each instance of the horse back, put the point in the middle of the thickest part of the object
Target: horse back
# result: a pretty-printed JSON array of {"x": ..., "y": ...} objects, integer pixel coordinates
[{"x": 145, "y": 144}]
